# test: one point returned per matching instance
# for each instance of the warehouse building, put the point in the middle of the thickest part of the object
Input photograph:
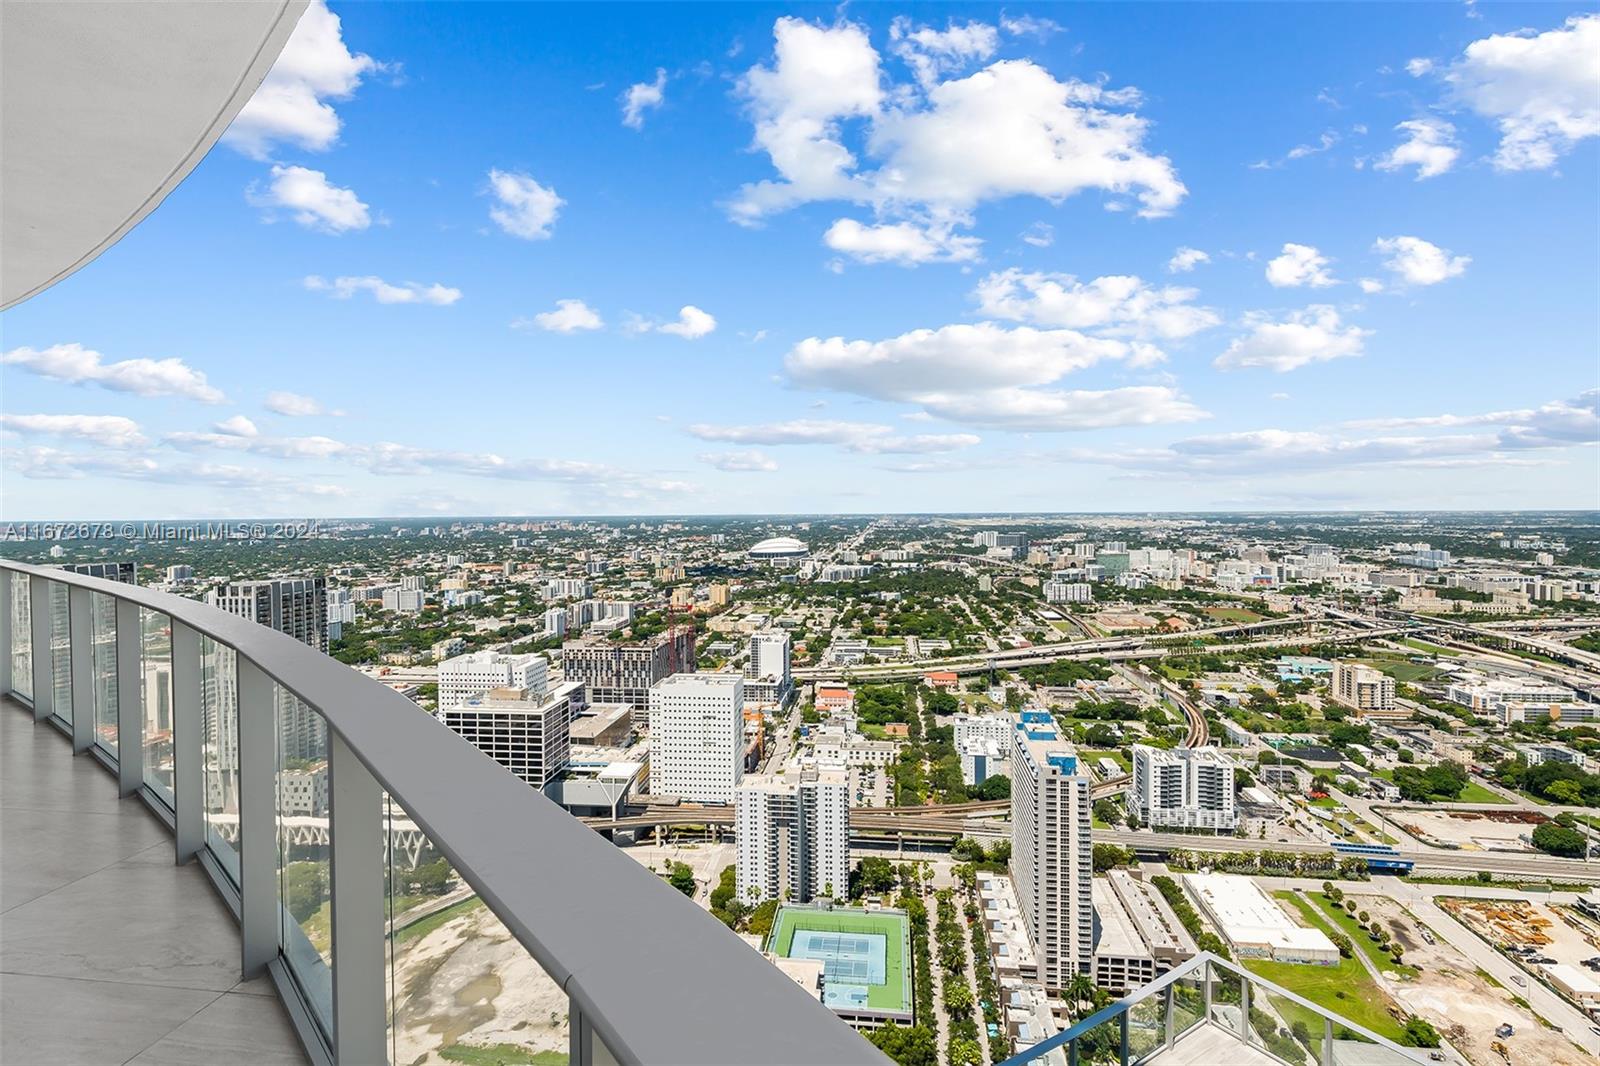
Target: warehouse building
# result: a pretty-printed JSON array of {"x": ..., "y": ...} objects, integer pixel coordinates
[{"x": 1253, "y": 925}]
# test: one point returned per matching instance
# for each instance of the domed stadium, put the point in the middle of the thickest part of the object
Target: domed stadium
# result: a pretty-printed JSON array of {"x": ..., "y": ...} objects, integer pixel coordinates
[{"x": 775, "y": 549}]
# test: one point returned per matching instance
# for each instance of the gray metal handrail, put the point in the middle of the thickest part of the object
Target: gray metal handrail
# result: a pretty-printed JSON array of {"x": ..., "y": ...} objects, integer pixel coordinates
[
  {"x": 650, "y": 975},
  {"x": 1204, "y": 964}
]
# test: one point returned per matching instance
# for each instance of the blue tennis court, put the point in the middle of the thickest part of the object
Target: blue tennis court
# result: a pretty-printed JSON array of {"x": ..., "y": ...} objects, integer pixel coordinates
[{"x": 847, "y": 958}]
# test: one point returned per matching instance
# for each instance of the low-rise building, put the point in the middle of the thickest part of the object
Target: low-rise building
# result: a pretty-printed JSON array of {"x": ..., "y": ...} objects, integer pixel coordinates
[{"x": 1254, "y": 926}]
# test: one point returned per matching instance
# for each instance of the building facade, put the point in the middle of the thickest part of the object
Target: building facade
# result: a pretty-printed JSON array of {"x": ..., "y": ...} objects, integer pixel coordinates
[
  {"x": 1185, "y": 788},
  {"x": 1052, "y": 860},
  {"x": 297, "y": 607},
  {"x": 1363, "y": 689},
  {"x": 794, "y": 835},
  {"x": 465, "y": 676},
  {"x": 697, "y": 736},
  {"x": 528, "y": 734},
  {"x": 625, "y": 673}
]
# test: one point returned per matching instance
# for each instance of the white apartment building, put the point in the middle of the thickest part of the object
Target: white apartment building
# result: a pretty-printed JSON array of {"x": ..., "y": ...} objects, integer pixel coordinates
[
  {"x": 981, "y": 759},
  {"x": 1068, "y": 592},
  {"x": 467, "y": 676},
  {"x": 1359, "y": 686},
  {"x": 1052, "y": 861},
  {"x": 794, "y": 835},
  {"x": 1189, "y": 788},
  {"x": 697, "y": 736},
  {"x": 1484, "y": 695},
  {"x": 995, "y": 727},
  {"x": 769, "y": 656},
  {"x": 555, "y": 622},
  {"x": 404, "y": 600},
  {"x": 528, "y": 734}
]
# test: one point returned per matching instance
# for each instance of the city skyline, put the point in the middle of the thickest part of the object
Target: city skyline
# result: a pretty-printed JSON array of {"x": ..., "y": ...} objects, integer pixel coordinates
[{"x": 546, "y": 260}]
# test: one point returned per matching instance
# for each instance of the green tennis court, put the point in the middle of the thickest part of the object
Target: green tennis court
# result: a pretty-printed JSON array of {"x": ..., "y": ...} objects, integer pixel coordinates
[{"x": 846, "y": 942}]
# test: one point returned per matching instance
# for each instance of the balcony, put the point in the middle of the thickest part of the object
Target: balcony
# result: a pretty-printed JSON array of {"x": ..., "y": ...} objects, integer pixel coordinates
[
  {"x": 1210, "y": 1011},
  {"x": 222, "y": 844}
]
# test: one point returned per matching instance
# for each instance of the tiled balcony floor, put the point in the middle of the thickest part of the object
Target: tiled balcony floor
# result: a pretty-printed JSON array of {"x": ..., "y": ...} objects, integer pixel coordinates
[{"x": 109, "y": 953}]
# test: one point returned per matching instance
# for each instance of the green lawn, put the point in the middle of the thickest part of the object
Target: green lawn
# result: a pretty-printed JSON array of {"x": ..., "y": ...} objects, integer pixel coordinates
[
  {"x": 1346, "y": 989},
  {"x": 423, "y": 926},
  {"x": 1319, "y": 912},
  {"x": 895, "y": 992},
  {"x": 1231, "y": 614},
  {"x": 1403, "y": 670},
  {"x": 1473, "y": 793},
  {"x": 1094, "y": 755},
  {"x": 1431, "y": 649}
]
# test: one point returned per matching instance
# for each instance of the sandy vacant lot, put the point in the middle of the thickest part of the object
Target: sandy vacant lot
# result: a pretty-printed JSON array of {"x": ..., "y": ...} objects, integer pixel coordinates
[
  {"x": 469, "y": 982},
  {"x": 1462, "y": 1003},
  {"x": 1469, "y": 830}
]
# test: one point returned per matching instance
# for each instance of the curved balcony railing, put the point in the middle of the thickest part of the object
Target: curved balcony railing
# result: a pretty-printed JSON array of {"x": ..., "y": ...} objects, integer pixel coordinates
[
  {"x": 1239, "y": 1016},
  {"x": 379, "y": 865}
]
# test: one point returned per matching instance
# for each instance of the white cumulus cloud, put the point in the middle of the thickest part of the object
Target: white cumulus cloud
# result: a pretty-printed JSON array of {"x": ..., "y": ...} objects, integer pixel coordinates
[
  {"x": 906, "y": 243},
  {"x": 692, "y": 323},
  {"x": 1117, "y": 305},
  {"x": 641, "y": 97},
  {"x": 1185, "y": 260},
  {"x": 316, "y": 203},
  {"x": 113, "y": 431},
  {"x": 569, "y": 316},
  {"x": 836, "y": 126},
  {"x": 407, "y": 292},
  {"x": 1299, "y": 264},
  {"x": 1430, "y": 146},
  {"x": 77, "y": 365},
  {"x": 1419, "y": 262},
  {"x": 290, "y": 106},
  {"x": 523, "y": 207},
  {"x": 1542, "y": 90},
  {"x": 1313, "y": 335}
]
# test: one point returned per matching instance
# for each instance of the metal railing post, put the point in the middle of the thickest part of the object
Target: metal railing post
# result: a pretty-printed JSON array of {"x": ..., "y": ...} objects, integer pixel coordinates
[
  {"x": 258, "y": 843},
  {"x": 130, "y": 698},
  {"x": 44, "y": 667},
  {"x": 80, "y": 666},
  {"x": 1244, "y": 1008},
  {"x": 357, "y": 876},
  {"x": 1327, "y": 1041},
  {"x": 1122, "y": 1026},
  {"x": 188, "y": 739},
  {"x": 1171, "y": 998},
  {"x": 1206, "y": 981},
  {"x": 6, "y": 647}
]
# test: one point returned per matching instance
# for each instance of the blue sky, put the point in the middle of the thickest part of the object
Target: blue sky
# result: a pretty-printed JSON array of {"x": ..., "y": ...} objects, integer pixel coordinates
[{"x": 511, "y": 259}]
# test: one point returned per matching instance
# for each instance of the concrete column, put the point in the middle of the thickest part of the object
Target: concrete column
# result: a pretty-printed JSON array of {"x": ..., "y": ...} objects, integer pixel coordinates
[
  {"x": 44, "y": 682},
  {"x": 188, "y": 740},
  {"x": 80, "y": 668},
  {"x": 130, "y": 698},
  {"x": 258, "y": 825},
  {"x": 357, "y": 875}
]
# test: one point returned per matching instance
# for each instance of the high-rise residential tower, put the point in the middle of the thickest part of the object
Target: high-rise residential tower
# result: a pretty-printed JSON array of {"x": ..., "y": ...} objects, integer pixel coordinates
[
  {"x": 794, "y": 835},
  {"x": 1052, "y": 858}
]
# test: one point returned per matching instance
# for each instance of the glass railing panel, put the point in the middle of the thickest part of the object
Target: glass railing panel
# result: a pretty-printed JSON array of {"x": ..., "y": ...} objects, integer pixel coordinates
[
  {"x": 1147, "y": 1026},
  {"x": 1350, "y": 1046},
  {"x": 1273, "y": 1029},
  {"x": 1225, "y": 1000},
  {"x": 1188, "y": 1003},
  {"x": 461, "y": 988},
  {"x": 219, "y": 696},
  {"x": 1102, "y": 1043},
  {"x": 21, "y": 608},
  {"x": 60, "y": 652},
  {"x": 103, "y": 629},
  {"x": 156, "y": 657},
  {"x": 305, "y": 840}
]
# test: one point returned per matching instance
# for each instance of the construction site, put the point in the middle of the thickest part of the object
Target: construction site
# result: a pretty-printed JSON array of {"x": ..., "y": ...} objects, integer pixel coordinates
[
  {"x": 1487, "y": 830},
  {"x": 1469, "y": 1007}
]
